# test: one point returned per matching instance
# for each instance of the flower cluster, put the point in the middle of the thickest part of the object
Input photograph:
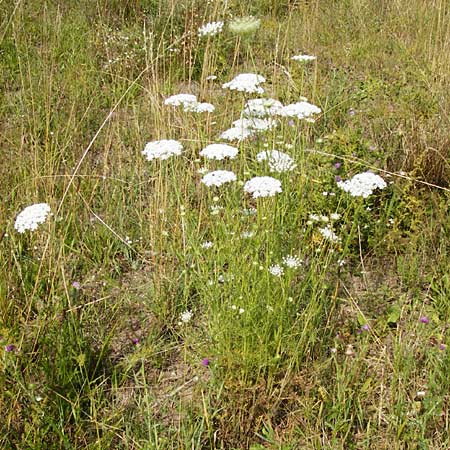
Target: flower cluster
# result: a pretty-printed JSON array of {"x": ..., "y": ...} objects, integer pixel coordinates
[
  {"x": 278, "y": 161},
  {"x": 244, "y": 26},
  {"x": 262, "y": 107},
  {"x": 210, "y": 29},
  {"x": 218, "y": 177},
  {"x": 328, "y": 233},
  {"x": 304, "y": 58},
  {"x": 236, "y": 134},
  {"x": 263, "y": 187},
  {"x": 189, "y": 103},
  {"x": 162, "y": 149},
  {"x": 246, "y": 82},
  {"x": 301, "y": 110},
  {"x": 362, "y": 184},
  {"x": 31, "y": 217},
  {"x": 255, "y": 124},
  {"x": 219, "y": 151}
]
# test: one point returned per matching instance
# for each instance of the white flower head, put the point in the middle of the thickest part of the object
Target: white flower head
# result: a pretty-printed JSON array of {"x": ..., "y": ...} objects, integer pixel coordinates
[
  {"x": 329, "y": 234},
  {"x": 31, "y": 217},
  {"x": 304, "y": 58},
  {"x": 278, "y": 161},
  {"x": 263, "y": 187},
  {"x": 262, "y": 107},
  {"x": 255, "y": 124},
  {"x": 362, "y": 184},
  {"x": 180, "y": 100},
  {"x": 236, "y": 134},
  {"x": 199, "y": 107},
  {"x": 210, "y": 29},
  {"x": 244, "y": 26},
  {"x": 276, "y": 270},
  {"x": 207, "y": 244},
  {"x": 292, "y": 261},
  {"x": 185, "y": 317},
  {"x": 219, "y": 151},
  {"x": 218, "y": 177},
  {"x": 162, "y": 149},
  {"x": 246, "y": 82},
  {"x": 301, "y": 110}
]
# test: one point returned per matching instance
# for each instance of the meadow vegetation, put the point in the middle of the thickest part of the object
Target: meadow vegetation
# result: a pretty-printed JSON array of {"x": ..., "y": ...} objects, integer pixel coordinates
[{"x": 151, "y": 311}]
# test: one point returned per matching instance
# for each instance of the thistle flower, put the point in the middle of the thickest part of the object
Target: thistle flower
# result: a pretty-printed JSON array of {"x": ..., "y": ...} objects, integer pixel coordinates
[
  {"x": 278, "y": 161},
  {"x": 219, "y": 151},
  {"x": 163, "y": 149},
  {"x": 246, "y": 82},
  {"x": 210, "y": 29},
  {"x": 262, "y": 187},
  {"x": 31, "y": 217},
  {"x": 244, "y": 26},
  {"x": 362, "y": 184},
  {"x": 218, "y": 177}
]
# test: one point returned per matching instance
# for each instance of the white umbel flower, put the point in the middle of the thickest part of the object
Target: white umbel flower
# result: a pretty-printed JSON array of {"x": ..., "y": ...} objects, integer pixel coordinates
[
  {"x": 329, "y": 234},
  {"x": 304, "y": 58},
  {"x": 218, "y": 177},
  {"x": 219, "y": 151},
  {"x": 246, "y": 82},
  {"x": 255, "y": 124},
  {"x": 301, "y": 110},
  {"x": 262, "y": 107},
  {"x": 263, "y": 187},
  {"x": 185, "y": 317},
  {"x": 180, "y": 100},
  {"x": 199, "y": 107},
  {"x": 292, "y": 262},
  {"x": 236, "y": 134},
  {"x": 362, "y": 184},
  {"x": 276, "y": 270},
  {"x": 162, "y": 149},
  {"x": 278, "y": 161},
  {"x": 31, "y": 217},
  {"x": 210, "y": 29}
]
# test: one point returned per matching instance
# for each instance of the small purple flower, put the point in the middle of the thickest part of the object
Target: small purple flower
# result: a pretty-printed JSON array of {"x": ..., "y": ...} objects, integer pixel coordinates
[
  {"x": 337, "y": 165},
  {"x": 351, "y": 112},
  {"x": 338, "y": 178},
  {"x": 424, "y": 319},
  {"x": 135, "y": 341},
  {"x": 442, "y": 346},
  {"x": 76, "y": 285},
  {"x": 291, "y": 123},
  {"x": 205, "y": 362},
  {"x": 10, "y": 348}
]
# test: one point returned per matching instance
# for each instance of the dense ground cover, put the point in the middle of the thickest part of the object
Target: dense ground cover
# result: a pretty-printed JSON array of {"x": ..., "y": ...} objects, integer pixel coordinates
[{"x": 159, "y": 307}]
